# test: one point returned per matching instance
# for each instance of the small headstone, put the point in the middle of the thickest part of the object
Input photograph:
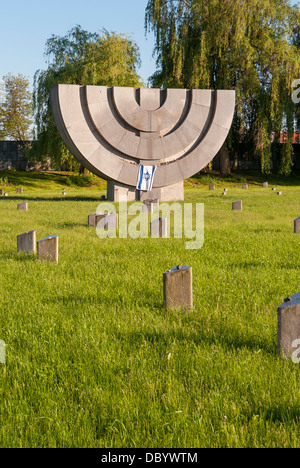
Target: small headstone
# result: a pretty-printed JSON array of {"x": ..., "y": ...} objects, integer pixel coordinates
[
  {"x": 19, "y": 190},
  {"x": 224, "y": 194},
  {"x": 108, "y": 221},
  {"x": 6, "y": 194},
  {"x": 103, "y": 220},
  {"x": 1, "y": 192},
  {"x": 273, "y": 189},
  {"x": 148, "y": 201},
  {"x": 245, "y": 186},
  {"x": 297, "y": 226},
  {"x": 212, "y": 187},
  {"x": 47, "y": 249},
  {"x": 225, "y": 190},
  {"x": 279, "y": 193},
  {"x": 64, "y": 192},
  {"x": 27, "y": 242},
  {"x": 288, "y": 336},
  {"x": 159, "y": 228},
  {"x": 265, "y": 184},
  {"x": 178, "y": 288},
  {"x": 23, "y": 206},
  {"x": 237, "y": 205},
  {"x": 2, "y": 352},
  {"x": 150, "y": 206},
  {"x": 94, "y": 218}
]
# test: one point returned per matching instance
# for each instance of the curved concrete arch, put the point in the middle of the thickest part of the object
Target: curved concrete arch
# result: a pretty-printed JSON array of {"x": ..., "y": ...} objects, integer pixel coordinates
[
  {"x": 208, "y": 147},
  {"x": 161, "y": 119},
  {"x": 171, "y": 146},
  {"x": 189, "y": 147},
  {"x": 69, "y": 112}
]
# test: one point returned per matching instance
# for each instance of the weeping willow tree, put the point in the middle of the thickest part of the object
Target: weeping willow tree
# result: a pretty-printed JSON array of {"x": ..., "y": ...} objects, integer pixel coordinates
[
  {"x": 246, "y": 45},
  {"x": 296, "y": 96},
  {"x": 80, "y": 58}
]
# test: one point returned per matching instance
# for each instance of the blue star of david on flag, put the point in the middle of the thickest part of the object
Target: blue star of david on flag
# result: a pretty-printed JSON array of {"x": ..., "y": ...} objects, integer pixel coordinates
[{"x": 145, "y": 178}]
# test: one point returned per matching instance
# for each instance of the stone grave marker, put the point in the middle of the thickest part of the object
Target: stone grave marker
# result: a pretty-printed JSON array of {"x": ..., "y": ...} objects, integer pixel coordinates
[
  {"x": 103, "y": 220},
  {"x": 23, "y": 206},
  {"x": 150, "y": 206},
  {"x": 91, "y": 219},
  {"x": 245, "y": 187},
  {"x": 6, "y": 194},
  {"x": 237, "y": 205},
  {"x": 265, "y": 184},
  {"x": 94, "y": 218},
  {"x": 297, "y": 225},
  {"x": 27, "y": 242},
  {"x": 159, "y": 228},
  {"x": 288, "y": 336},
  {"x": 178, "y": 288},
  {"x": 1, "y": 192},
  {"x": 47, "y": 249},
  {"x": 19, "y": 190},
  {"x": 2, "y": 352},
  {"x": 212, "y": 187},
  {"x": 108, "y": 221},
  {"x": 279, "y": 193}
]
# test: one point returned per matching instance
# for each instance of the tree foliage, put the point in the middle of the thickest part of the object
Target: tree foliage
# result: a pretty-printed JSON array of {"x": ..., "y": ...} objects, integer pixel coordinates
[
  {"x": 15, "y": 109},
  {"x": 80, "y": 58},
  {"x": 246, "y": 45}
]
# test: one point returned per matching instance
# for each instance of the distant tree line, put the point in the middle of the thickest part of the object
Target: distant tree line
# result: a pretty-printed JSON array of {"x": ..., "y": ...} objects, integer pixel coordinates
[{"x": 251, "y": 46}]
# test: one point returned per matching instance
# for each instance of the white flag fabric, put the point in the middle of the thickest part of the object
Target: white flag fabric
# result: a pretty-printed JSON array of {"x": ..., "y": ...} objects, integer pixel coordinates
[{"x": 145, "y": 178}]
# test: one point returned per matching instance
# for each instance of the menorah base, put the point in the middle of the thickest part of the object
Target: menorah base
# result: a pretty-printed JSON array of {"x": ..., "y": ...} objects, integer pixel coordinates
[{"x": 117, "y": 192}]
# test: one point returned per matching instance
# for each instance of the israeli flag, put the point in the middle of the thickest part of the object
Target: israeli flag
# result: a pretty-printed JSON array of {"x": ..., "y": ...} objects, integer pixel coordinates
[{"x": 145, "y": 178}]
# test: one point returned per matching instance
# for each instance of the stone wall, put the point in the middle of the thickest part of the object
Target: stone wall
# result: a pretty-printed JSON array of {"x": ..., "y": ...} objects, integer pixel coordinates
[{"x": 12, "y": 156}]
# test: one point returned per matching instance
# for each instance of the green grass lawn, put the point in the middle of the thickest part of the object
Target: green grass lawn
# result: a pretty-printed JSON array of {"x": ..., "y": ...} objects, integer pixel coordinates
[{"x": 94, "y": 360}]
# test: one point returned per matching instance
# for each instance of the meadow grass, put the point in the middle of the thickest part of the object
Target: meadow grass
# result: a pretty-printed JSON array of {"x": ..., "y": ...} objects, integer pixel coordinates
[{"x": 94, "y": 360}]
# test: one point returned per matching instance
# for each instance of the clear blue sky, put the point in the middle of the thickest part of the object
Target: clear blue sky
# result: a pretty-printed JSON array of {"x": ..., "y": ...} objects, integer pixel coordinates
[{"x": 25, "y": 25}]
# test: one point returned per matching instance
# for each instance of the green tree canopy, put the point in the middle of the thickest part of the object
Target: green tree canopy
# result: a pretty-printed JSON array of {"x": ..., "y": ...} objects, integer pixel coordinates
[
  {"x": 16, "y": 109},
  {"x": 246, "y": 45},
  {"x": 80, "y": 58}
]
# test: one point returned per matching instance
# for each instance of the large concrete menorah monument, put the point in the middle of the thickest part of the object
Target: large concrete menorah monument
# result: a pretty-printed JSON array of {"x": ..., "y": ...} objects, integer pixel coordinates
[{"x": 115, "y": 131}]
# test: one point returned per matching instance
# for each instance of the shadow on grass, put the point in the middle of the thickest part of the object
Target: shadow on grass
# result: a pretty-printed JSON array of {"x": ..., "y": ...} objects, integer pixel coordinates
[
  {"x": 253, "y": 177},
  {"x": 217, "y": 334},
  {"x": 69, "y": 225},
  {"x": 20, "y": 256},
  {"x": 246, "y": 265},
  {"x": 229, "y": 340},
  {"x": 55, "y": 199},
  {"x": 283, "y": 413}
]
